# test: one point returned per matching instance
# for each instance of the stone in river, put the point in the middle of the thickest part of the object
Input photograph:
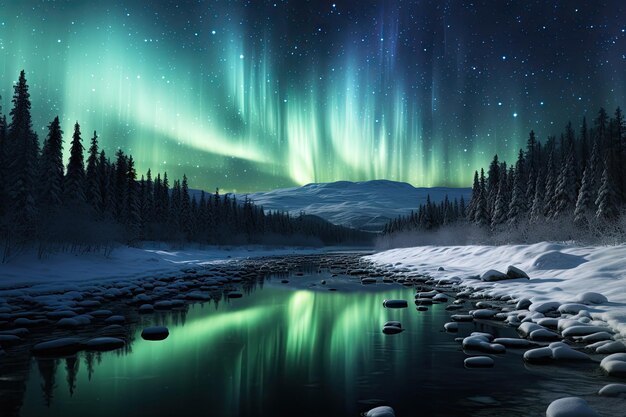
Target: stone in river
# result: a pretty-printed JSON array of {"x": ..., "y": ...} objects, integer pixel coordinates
[
  {"x": 104, "y": 343},
  {"x": 479, "y": 362},
  {"x": 155, "y": 333},
  {"x": 570, "y": 407},
  {"x": 395, "y": 304},
  {"x": 392, "y": 330},
  {"x": 383, "y": 411},
  {"x": 63, "y": 346}
]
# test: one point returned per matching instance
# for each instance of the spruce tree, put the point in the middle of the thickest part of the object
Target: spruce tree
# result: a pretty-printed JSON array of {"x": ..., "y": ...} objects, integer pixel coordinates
[
  {"x": 471, "y": 208},
  {"x": 585, "y": 201},
  {"x": 120, "y": 187},
  {"x": 74, "y": 187},
  {"x": 482, "y": 215},
  {"x": 132, "y": 200},
  {"x": 51, "y": 169},
  {"x": 92, "y": 189},
  {"x": 21, "y": 151},
  {"x": 564, "y": 199},
  {"x": 607, "y": 198},
  {"x": 550, "y": 186},
  {"x": 3, "y": 165},
  {"x": 502, "y": 202},
  {"x": 185, "y": 208},
  {"x": 518, "y": 207},
  {"x": 493, "y": 181},
  {"x": 538, "y": 203}
]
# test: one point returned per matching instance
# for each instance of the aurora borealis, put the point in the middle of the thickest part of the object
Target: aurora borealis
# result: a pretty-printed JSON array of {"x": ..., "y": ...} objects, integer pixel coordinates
[{"x": 255, "y": 95}]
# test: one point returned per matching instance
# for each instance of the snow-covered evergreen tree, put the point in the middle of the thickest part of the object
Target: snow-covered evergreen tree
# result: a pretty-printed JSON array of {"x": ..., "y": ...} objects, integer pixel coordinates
[
  {"x": 471, "y": 207},
  {"x": 482, "y": 214},
  {"x": 607, "y": 198},
  {"x": 518, "y": 207},
  {"x": 538, "y": 204},
  {"x": 564, "y": 199},
  {"x": 550, "y": 186},
  {"x": 501, "y": 209},
  {"x": 585, "y": 203}
]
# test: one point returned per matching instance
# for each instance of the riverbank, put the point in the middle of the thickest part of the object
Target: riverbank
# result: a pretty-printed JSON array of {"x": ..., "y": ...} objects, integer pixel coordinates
[
  {"x": 124, "y": 262},
  {"x": 559, "y": 273}
]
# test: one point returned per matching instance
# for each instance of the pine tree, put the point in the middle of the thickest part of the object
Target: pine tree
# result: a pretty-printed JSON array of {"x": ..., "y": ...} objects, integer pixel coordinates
[
  {"x": 120, "y": 187},
  {"x": 21, "y": 151},
  {"x": 585, "y": 201},
  {"x": 51, "y": 169},
  {"x": 3, "y": 164},
  {"x": 105, "y": 204},
  {"x": 185, "y": 208},
  {"x": 502, "y": 202},
  {"x": 74, "y": 187},
  {"x": 132, "y": 200},
  {"x": 518, "y": 207},
  {"x": 493, "y": 181},
  {"x": 538, "y": 204},
  {"x": 550, "y": 186},
  {"x": 564, "y": 199},
  {"x": 607, "y": 198},
  {"x": 482, "y": 215},
  {"x": 471, "y": 208},
  {"x": 92, "y": 189},
  {"x": 531, "y": 156}
]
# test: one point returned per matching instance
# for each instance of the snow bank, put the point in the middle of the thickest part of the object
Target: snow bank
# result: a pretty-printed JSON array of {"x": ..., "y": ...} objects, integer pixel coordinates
[
  {"x": 124, "y": 262},
  {"x": 559, "y": 273}
]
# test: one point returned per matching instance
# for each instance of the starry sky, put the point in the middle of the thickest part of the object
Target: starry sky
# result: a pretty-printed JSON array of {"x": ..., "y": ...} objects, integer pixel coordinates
[{"x": 257, "y": 95}]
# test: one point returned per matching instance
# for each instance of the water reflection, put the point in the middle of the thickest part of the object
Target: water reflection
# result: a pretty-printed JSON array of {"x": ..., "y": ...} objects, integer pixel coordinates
[{"x": 285, "y": 351}]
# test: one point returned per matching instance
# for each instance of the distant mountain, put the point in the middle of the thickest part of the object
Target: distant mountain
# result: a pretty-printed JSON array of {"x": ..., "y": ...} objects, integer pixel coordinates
[{"x": 367, "y": 205}]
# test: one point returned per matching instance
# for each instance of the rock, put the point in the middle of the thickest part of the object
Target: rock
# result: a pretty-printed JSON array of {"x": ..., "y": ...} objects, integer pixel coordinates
[
  {"x": 570, "y": 407},
  {"x": 452, "y": 307},
  {"x": 395, "y": 304},
  {"x": 146, "y": 308},
  {"x": 596, "y": 337},
  {"x": 511, "y": 342},
  {"x": 479, "y": 362},
  {"x": 582, "y": 330},
  {"x": 9, "y": 339},
  {"x": 484, "y": 314},
  {"x": 234, "y": 294},
  {"x": 102, "y": 344},
  {"x": 544, "y": 307},
  {"x": 539, "y": 355},
  {"x": 101, "y": 313},
  {"x": 451, "y": 327},
  {"x": 526, "y": 328},
  {"x": 462, "y": 317},
  {"x": 440, "y": 298},
  {"x": 493, "y": 275},
  {"x": 612, "y": 347},
  {"x": 591, "y": 298},
  {"x": 544, "y": 335},
  {"x": 63, "y": 346},
  {"x": 368, "y": 280},
  {"x": 392, "y": 330},
  {"x": 612, "y": 390},
  {"x": 523, "y": 304},
  {"x": 566, "y": 353},
  {"x": 614, "y": 368},
  {"x": 155, "y": 333},
  {"x": 571, "y": 308},
  {"x": 514, "y": 273},
  {"x": 481, "y": 342},
  {"x": 422, "y": 308},
  {"x": 382, "y": 411},
  {"x": 115, "y": 320},
  {"x": 440, "y": 269}
]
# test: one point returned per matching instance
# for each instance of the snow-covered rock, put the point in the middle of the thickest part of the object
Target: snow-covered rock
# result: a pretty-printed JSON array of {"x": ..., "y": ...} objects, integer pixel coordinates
[
  {"x": 570, "y": 407},
  {"x": 395, "y": 303},
  {"x": 493, "y": 275},
  {"x": 382, "y": 411},
  {"x": 104, "y": 343},
  {"x": 514, "y": 273},
  {"x": 612, "y": 390},
  {"x": 617, "y": 346}
]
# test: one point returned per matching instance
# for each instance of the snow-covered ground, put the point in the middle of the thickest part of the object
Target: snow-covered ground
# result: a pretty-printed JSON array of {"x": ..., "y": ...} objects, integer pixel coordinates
[
  {"x": 123, "y": 263},
  {"x": 558, "y": 273},
  {"x": 366, "y": 205}
]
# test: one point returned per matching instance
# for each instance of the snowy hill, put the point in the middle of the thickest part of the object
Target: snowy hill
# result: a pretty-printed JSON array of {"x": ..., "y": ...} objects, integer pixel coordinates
[{"x": 364, "y": 205}]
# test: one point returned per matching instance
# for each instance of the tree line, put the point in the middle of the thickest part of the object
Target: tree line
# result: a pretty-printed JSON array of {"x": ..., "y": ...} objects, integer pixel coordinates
[
  {"x": 577, "y": 178},
  {"x": 96, "y": 201}
]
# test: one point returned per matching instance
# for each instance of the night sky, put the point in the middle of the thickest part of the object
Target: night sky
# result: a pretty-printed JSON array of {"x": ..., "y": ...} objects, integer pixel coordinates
[{"x": 255, "y": 95}]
